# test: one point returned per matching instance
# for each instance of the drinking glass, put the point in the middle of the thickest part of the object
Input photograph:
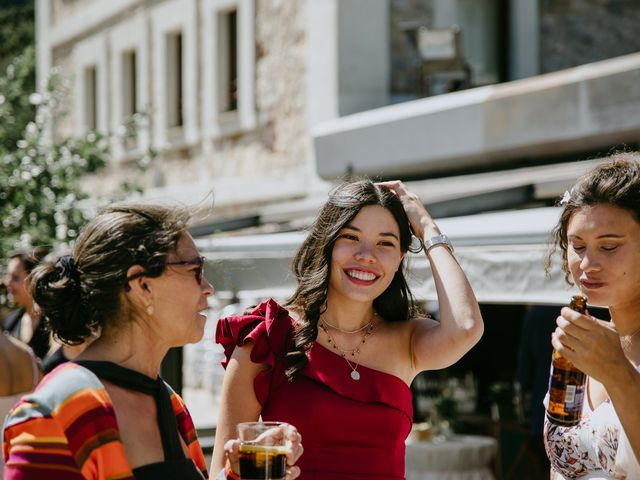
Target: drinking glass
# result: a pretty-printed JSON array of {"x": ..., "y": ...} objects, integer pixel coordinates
[{"x": 263, "y": 449}]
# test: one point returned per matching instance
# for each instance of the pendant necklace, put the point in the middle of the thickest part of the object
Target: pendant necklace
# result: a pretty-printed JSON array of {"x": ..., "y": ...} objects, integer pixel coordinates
[
  {"x": 368, "y": 329},
  {"x": 626, "y": 340}
]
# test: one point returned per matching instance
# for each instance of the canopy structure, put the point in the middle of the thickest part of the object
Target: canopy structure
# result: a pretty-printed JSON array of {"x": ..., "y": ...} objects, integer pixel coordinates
[{"x": 503, "y": 254}]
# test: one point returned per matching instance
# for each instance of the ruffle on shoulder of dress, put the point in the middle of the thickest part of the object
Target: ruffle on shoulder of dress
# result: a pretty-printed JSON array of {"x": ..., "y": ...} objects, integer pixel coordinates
[{"x": 269, "y": 328}]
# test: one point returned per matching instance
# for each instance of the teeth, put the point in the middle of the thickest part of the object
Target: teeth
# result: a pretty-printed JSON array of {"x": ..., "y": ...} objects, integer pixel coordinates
[{"x": 361, "y": 275}]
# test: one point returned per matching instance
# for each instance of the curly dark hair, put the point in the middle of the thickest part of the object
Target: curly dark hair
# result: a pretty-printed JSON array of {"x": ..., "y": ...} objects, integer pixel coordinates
[
  {"x": 614, "y": 182},
  {"x": 79, "y": 294},
  {"x": 311, "y": 264}
]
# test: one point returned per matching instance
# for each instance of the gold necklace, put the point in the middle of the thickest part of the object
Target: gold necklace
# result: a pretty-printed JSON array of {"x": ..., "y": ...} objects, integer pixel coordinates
[
  {"x": 364, "y": 327},
  {"x": 355, "y": 352},
  {"x": 625, "y": 340}
]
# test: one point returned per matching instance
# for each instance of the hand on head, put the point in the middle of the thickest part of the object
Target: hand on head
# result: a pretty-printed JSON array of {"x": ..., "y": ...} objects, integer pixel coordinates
[{"x": 419, "y": 218}]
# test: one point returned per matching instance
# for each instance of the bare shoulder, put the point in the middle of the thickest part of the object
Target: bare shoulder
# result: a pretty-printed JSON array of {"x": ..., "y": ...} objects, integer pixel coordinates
[
  {"x": 16, "y": 352},
  {"x": 393, "y": 346},
  {"x": 15, "y": 357},
  {"x": 422, "y": 322}
]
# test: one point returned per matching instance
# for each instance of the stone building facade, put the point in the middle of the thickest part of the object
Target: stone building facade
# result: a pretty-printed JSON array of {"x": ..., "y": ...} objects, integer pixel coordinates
[
  {"x": 220, "y": 85},
  {"x": 240, "y": 95},
  {"x": 574, "y": 32},
  {"x": 228, "y": 90},
  {"x": 549, "y": 35}
]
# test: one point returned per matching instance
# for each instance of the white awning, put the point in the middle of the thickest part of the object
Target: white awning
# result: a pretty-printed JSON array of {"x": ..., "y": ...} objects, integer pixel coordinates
[
  {"x": 502, "y": 253},
  {"x": 588, "y": 107}
]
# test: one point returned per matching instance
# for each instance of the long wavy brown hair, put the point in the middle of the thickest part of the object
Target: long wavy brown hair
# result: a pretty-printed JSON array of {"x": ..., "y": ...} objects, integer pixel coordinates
[
  {"x": 615, "y": 182},
  {"x": 311, "y": 264}
]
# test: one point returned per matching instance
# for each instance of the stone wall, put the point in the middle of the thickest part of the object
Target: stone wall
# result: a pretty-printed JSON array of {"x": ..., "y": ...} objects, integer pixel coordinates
[
  {"x": 62, "y": 9},
  {"x": 277, "y": 146},
  {"x": 279, "y": 142},
  {"x": 575, "y": 32}
]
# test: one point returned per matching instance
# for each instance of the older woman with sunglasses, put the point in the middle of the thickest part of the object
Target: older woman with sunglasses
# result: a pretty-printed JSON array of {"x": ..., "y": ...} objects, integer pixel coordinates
[{"x": 136, "y": 278}]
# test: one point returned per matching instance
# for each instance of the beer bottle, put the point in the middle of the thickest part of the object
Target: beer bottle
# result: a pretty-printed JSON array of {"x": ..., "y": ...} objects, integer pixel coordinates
[{"x": 566, "y": 383}]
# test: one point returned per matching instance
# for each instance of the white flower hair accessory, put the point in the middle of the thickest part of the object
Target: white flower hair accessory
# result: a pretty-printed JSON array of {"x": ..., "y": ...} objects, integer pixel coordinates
[{"x": 566, "y": 197}]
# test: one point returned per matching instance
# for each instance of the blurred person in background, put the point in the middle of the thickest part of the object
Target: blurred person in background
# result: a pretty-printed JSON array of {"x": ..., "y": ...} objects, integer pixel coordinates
[
  {"x": 24, "y": 323},
  {"x": 20, "y": 375}
]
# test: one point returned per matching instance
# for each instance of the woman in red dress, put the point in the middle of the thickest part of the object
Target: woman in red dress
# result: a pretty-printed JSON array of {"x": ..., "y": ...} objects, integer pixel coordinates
[{"x": 337, "y": 362}]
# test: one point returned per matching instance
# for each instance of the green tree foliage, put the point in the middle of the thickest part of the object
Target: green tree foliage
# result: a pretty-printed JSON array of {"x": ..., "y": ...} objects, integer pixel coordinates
[
  {"x": 40, "y": 176},
  {"x": 16, "y": 109},
  {"x": 16, "y": 29}
]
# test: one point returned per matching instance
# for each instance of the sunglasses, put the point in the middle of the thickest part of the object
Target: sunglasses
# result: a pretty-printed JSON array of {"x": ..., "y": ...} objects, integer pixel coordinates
[{"x": 198, "y": 272}]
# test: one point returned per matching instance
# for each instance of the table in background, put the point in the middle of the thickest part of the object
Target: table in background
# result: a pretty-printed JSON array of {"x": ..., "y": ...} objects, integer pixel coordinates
[{"x": 462, "y": 457}]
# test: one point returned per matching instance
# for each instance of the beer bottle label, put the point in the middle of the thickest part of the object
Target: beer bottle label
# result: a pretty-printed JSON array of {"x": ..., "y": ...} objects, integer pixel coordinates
[
  {"x": 573, "y": 398},
  {"x": 570, "y": 395}
]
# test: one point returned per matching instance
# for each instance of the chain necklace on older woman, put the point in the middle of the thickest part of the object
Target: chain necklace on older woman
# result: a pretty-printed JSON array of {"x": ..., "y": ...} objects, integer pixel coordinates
[{"x": 353, "y": 353}]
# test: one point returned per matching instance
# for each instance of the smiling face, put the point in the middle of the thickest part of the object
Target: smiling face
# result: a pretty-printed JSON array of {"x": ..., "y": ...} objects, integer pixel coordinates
[
  {"x": 16, "y": 276},
  {"x": 179, "y": 300},
  {"x": 603, "y": 254},
  {"x": 365, "y": 256}
]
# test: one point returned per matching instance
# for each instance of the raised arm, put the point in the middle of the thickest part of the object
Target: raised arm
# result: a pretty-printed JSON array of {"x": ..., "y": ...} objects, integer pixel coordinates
[
  {"x": 238, "y": 402},
  {"x": 438, "y": 345}
]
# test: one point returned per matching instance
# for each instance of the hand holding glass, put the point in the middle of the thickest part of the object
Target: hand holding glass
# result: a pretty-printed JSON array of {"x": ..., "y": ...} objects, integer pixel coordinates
[{"x": 263, "y": 450}]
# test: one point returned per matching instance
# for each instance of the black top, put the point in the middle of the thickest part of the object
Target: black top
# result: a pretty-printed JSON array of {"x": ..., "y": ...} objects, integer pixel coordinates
[
  {"x": 52, "y": 361},
  {"x": 40, "y": 340},
  {"x": 176, "y": 465}
]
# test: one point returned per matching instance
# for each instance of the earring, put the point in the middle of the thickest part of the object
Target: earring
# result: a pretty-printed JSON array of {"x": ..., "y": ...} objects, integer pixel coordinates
[
  {"x": 150, "y": 309},
  {"x": 416, "y": 245}
]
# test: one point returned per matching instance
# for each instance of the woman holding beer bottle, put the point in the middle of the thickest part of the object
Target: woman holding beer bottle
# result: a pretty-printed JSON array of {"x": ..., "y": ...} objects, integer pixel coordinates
[
  {"x": 599, "y": 237},
  {"x": 338, "y": 361}
]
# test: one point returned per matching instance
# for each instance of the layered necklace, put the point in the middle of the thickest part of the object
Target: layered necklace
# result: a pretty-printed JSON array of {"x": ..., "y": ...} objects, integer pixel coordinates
[{"x": 351, "y": 356}]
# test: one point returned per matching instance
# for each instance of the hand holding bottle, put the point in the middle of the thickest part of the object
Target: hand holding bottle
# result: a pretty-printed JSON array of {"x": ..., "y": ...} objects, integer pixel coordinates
[
  {"x": 592, "y": 345},
  {"x": 566, "y": 382}
]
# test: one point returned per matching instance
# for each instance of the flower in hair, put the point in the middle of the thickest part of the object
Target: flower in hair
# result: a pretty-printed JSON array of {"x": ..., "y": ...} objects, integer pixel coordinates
[{"x": 566, "y": 197}]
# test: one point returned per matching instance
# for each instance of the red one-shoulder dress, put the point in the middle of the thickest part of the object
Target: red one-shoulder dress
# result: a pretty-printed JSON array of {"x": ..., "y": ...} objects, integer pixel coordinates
[{"x": 351, "y": 429}]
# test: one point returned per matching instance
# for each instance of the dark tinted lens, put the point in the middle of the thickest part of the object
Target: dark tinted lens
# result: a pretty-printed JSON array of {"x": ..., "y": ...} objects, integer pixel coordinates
[
  {"x": 199, "y": 274},
  {"x": 200, "y": 271}
]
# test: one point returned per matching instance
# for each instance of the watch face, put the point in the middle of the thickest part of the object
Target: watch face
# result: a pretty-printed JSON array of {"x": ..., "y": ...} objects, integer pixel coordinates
[{"x": 438, "y": 240}]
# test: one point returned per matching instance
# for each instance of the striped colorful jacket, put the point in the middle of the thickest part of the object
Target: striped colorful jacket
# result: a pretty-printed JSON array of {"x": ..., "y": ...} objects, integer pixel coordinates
[{"x": 67, "y": 429}]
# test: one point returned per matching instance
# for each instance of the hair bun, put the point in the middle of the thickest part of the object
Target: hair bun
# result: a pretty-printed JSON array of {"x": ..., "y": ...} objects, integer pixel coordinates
[
  {"x": 66, "y": 268},
  {"x": 58, "y": 290}
]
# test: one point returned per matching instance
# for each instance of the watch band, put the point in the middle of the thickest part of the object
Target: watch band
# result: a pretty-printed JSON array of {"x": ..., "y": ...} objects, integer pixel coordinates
[{"x": 441, "y": 239}]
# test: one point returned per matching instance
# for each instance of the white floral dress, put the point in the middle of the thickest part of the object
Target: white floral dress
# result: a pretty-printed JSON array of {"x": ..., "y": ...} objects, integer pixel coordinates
[{"x": 596, "y": 448}]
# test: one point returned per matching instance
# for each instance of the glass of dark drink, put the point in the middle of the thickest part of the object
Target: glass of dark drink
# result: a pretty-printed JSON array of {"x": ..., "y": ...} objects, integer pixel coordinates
[{"x": 263, "y": 450}]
